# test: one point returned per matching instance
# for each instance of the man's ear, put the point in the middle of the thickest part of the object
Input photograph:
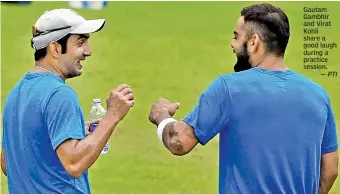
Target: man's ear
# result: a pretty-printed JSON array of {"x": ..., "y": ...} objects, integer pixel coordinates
[
  {"x": 254, "y": 43},
  {"x": 55, "y": 49}
]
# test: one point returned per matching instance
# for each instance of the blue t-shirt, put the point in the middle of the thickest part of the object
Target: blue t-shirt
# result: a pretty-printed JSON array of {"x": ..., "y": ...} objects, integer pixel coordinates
[
  {"x": 273, "y": 125},
  {"x": 39, "y": 114}
]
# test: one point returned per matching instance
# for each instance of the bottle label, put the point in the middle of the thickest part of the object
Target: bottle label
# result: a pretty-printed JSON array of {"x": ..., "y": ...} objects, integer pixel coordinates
[{"x": 93, "y": 126}]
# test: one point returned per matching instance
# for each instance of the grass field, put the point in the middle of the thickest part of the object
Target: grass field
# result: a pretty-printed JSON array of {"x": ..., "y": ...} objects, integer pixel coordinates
[{"x": 161, "y": 49}]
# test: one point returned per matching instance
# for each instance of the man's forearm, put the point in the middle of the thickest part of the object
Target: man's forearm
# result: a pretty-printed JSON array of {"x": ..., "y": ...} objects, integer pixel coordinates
[
  {"x": 85, "y": 152},
  {"x": 171, "y": 139},
  {"x": 179, "y": 138},
  {"x": 91, "y": 146}
]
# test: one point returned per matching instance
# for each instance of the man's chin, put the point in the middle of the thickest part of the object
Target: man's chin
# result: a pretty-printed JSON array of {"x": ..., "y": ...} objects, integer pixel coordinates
[
  {"x": 242, "y": 64},
  {"x": 241, "y": 67},
  {"x": 74, "y": 74},
  {"x": 78, "y": 73}
]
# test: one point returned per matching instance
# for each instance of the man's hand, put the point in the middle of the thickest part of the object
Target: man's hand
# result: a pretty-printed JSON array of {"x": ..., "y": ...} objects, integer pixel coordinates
[
  {"x": 120, "y": 101},
  {"x": 178, "y": 137},
  {"x": 88, "y": 124},
  {"x": 161, "y": 110}
]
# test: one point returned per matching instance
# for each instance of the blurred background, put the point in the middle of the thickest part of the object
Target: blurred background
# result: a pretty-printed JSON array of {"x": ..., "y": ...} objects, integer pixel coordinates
[{"x": 161, "y": 49}]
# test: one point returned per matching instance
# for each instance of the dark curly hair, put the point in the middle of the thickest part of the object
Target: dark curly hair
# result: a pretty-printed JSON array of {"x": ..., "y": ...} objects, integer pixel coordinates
[
  {"x": 270, "y": 23},
  {"x": 41, "y": 53}
]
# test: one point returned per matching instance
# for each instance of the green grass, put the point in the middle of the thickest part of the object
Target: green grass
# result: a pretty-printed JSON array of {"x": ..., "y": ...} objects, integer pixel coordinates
[{"x": 161, "y": 49}]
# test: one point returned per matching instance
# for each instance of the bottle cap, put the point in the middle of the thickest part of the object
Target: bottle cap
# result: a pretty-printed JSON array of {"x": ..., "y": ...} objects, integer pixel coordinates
[{"x": 96, "y": 101}]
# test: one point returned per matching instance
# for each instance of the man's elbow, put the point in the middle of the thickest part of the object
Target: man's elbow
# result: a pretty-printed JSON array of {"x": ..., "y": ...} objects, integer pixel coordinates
[
  {"x": 178, "y": 153},
  {"x": 333, "y": 175},
  {"x": 330, "y": 175},
  {"x": 180, "y": 150},
  {"x": 74, "y": 170}
]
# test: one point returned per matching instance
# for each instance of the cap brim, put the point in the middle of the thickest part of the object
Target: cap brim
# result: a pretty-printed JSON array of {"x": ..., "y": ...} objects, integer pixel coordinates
[{"x": 89, "y": 26}]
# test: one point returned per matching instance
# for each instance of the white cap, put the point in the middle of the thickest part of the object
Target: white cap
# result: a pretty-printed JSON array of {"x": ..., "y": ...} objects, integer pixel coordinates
[{"x": 57, "y": 23}]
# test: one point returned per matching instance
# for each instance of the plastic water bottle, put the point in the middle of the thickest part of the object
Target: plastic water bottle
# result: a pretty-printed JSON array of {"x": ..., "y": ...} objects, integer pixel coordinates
[{"x": 97, "y": 112}]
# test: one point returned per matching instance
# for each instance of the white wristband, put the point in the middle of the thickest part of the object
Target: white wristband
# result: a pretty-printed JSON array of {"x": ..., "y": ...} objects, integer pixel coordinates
[{"x": 161, "y": 127}]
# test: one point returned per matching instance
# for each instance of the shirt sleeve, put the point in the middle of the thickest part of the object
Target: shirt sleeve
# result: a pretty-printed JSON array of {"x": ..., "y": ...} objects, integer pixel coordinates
[
  {"x": 63, "y": 116},
  {"x": 329, "y": 140},
  {"x": 211, "y": 113}
]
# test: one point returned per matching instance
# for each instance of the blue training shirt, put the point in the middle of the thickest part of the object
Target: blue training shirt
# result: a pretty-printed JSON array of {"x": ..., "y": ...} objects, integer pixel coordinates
[
  {"x": 273, "y": 125},
  {"x": 39, "y": 114}
]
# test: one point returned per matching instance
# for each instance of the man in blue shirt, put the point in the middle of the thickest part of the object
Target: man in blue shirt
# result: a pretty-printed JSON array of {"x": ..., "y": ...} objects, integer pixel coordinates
[
  {"x": 277, "y": 129},
  {"x": 44, "y": 144}
]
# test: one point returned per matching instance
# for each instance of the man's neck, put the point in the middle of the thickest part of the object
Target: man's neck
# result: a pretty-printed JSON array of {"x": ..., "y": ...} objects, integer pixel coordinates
[
  {"x": 40, "y": 66},
  {"x": 272, "y": 62}
]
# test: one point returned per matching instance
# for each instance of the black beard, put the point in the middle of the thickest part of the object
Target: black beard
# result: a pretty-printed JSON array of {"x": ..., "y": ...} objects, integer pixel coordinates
[
  {"x": 242, "y": 60},
  {"x": 242, "y": 64}
]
